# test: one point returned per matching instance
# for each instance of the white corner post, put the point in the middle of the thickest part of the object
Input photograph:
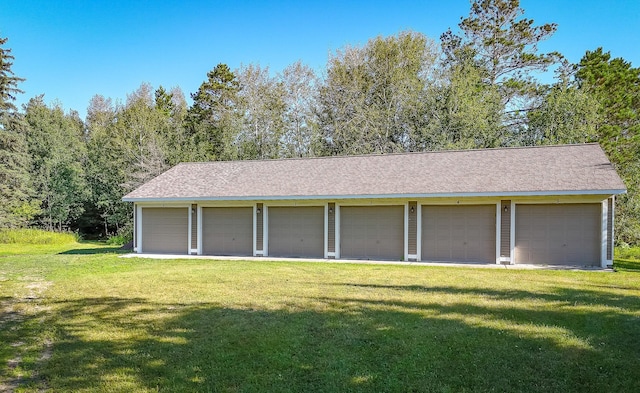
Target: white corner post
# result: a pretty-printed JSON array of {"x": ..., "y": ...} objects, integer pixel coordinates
[
  {"x": 199, "y": 226},
  {"x": 612, "y": 214},
  {"x": 255, "y": 229},
  {"x": 139, "y": 239},
  {"x": 265, "y": 230},
  {"x": 326, "y": 230},
  {"x": 189, "y": 231},
  {"x": 512, "y": 234},
  {"x": 498, "y": 230},
  {"x": 337, "y": 240},
  {"x": 418, "y": 231},
  {"x": 406, "y": 231},
  {"x": 604, "y": 238}
]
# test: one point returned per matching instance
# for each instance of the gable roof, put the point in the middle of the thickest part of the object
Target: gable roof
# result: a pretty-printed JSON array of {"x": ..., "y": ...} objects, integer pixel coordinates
[{"x": 543, "y": 170}]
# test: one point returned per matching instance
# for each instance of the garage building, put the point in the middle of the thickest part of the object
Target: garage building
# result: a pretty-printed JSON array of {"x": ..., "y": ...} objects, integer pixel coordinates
[{"x": 551, "y": 205}]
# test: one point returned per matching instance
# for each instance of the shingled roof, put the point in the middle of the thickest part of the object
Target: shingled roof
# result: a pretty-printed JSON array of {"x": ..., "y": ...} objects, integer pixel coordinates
[{"x": 544, "y": 170}]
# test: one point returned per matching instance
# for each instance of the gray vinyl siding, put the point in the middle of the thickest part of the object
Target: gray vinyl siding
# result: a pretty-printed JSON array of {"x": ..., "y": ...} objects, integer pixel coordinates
[
  {"x": 372, "y": 232},
  {"x": 558, "y": 234},
  {"x": 194, "y": 226},
  {"x": 331, "y": 230},
  {"x": 296, "y": 232},
  {"x": 505, "y": 229},
  {"x": 413, "y": 228},
  {"x": 259, "y": 227},
  {"x": 459, "y": 233},
  {"x": 227, "y": 231},
  {"x": 165, "y": 230}
]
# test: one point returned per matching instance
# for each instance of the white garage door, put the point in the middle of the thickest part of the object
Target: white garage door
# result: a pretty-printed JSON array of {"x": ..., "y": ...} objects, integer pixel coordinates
[
  {"x": 227, "y": 231},
  {"x": 558, "y": 234},
  {"x": 165, "y": 230},
  {"x": 459, "y": 233},
  {"x": 372, "y": 232},
  {"x": 296, "y": 232}
]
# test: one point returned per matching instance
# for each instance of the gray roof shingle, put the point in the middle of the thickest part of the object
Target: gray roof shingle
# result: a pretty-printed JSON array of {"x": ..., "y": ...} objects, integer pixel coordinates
[{"x": 544, "y": 170}]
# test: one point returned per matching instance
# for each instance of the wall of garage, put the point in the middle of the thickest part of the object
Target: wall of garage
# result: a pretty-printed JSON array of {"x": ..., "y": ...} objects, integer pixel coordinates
[{"x": 554, "y": 230}]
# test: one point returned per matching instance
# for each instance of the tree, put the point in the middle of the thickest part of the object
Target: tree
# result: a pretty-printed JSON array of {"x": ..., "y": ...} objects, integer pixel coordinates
[
  {"x": 262, "y": 108},
  {"x": 17, "y": 206},
  {"x": 505, "y": 46},
  {"x": 8, "y": 84},
  {"x": 300, "y": 85},
  {"x": 372, "y": 98},
  {"x": 56, "y": 145},
  {"x": 129, "y": 145},
  {"x": 214, "y": 118},
  {"x": 615, "y": 85},
  {"x": 463, "y": 112},
  {"x": 105, "y": 170},
  {"x": 172, "y": 109},
  {"x": 566, "y": 115},
  {"x": 138, "y": 139}
]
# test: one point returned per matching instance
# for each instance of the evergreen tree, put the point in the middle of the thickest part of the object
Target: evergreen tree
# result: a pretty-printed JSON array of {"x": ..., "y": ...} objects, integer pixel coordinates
[
  {"x": 214, "y": 118},
  {"x": 17, "y": 206},
  {"x": 615, "y": 85},
  {"x": 504, "y": 45},
  {"x": 172, "y": 109}
]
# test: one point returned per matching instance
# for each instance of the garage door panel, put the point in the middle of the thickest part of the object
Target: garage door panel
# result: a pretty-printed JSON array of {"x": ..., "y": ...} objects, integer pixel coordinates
[
  {"x": 458, "y": 233},
  {"x": 227, "y": 231},
  {"x": 165, "y": 230},
  {"x": 296, "y": 231},
  {"x": 372, "y": 232},
  {"x": 558, "y": 234}
]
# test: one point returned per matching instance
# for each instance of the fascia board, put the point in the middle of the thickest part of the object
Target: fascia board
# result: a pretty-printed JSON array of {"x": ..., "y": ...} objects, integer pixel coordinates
[{"x": 379, "y": 196}]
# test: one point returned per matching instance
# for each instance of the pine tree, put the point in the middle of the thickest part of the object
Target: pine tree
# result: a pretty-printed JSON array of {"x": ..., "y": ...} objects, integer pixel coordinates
[
  {"x": 214, "y": 117},
  {"x": 615, "y": 84},
  {"x": 504, "y": 46},
  {"x": 16, "y": 204}
]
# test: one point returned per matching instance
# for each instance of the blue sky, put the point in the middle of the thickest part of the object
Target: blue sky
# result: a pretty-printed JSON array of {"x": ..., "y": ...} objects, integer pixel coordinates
[{"x": 72, "y": 50}]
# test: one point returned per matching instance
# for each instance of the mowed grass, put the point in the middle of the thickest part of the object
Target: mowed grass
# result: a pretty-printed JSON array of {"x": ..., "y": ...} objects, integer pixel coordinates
[{"x": 91, "y": 321}]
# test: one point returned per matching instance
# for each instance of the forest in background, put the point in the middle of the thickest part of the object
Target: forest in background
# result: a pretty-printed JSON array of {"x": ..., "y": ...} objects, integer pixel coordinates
[{"x": 476, "y": 87}]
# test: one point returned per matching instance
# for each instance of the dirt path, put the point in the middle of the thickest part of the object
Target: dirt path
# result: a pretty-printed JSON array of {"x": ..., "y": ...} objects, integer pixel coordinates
[{"x": 13, "y": 312}]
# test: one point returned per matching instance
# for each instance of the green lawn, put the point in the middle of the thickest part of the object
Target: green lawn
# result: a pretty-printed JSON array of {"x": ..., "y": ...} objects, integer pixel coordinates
[{"x": 83, "y": 319}]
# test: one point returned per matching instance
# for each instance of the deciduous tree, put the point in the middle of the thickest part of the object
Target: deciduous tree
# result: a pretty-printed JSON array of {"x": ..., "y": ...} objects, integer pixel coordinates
[
  {"x": 262, "y": 109},
  {"x": 372, "y": 96},
  {"x": 300, "y": 124},
  {"x": 55, "y": 141}
]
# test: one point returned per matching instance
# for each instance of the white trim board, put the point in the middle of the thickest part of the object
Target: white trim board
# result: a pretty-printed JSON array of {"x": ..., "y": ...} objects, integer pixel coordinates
[{"x": 378, "y": 196}]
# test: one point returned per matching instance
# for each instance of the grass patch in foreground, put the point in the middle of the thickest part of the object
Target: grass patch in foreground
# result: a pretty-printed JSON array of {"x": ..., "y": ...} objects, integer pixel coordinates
[
  {"x": 36, "y": 236},
  {"x": 119, "y": 324},
  {"x": 627, "y": 259}
]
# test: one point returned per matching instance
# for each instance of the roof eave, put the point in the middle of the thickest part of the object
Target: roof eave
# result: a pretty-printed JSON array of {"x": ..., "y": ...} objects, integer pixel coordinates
[{"x": 378, "y": 196}]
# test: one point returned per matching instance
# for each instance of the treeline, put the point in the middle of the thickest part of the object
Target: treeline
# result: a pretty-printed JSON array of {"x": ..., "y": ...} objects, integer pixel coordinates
[{"x": 479, "y": 87}]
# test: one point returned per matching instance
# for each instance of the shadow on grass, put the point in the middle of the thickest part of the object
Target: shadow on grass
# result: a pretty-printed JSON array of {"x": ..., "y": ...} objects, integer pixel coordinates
[
  {"x": 347, "y": 344},
  {"x": 560, "y": 296},
  {"x": 628, "y": 265},
  {"x": 93, "y": 251}
]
